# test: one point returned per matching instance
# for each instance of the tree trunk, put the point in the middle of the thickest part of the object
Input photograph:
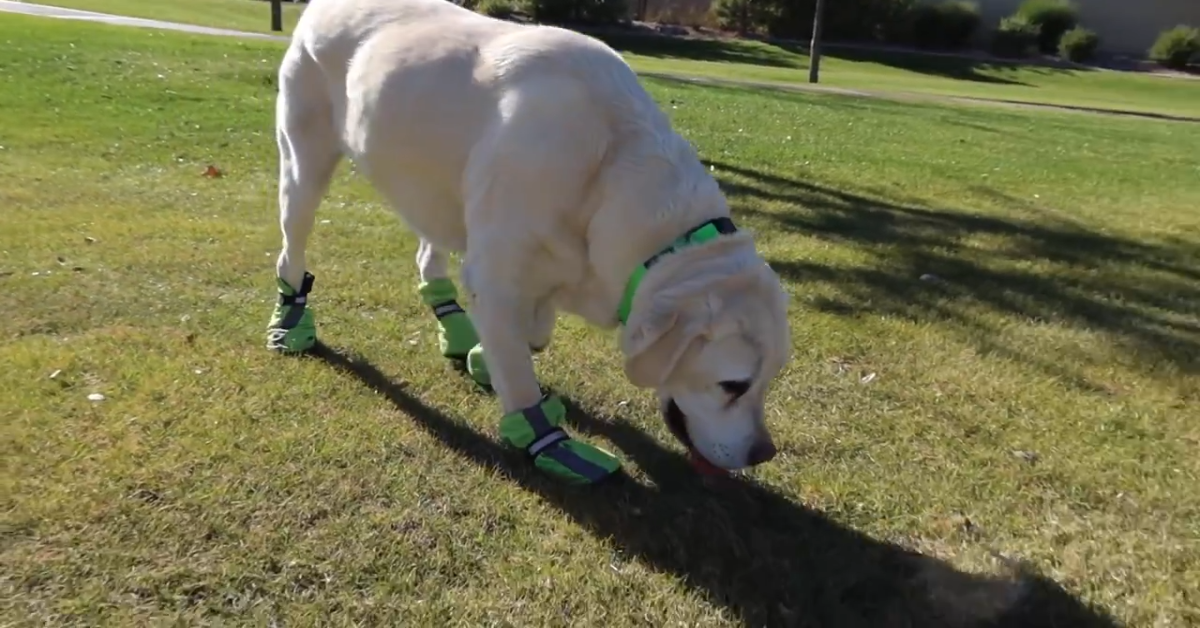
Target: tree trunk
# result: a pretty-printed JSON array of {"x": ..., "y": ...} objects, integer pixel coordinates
[
  {"x": 277, "y": 15},
  {"x": 814, "y": 50}
]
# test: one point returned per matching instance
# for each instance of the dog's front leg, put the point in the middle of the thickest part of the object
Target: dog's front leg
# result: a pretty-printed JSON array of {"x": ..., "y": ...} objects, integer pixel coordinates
[
  {"x": 500, "y": 314},
  {"x": 532, "y": 421}
]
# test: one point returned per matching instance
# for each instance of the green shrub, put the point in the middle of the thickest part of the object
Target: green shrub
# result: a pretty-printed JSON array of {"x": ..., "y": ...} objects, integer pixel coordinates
[
  {"x": 605, "y": 11},
  {"x": 502, "y": 9},
  {"x": 1176, "y": 47},
  {"x": 961, "y": 20},
  {"x": 1052, "y": 17},
  {"x": 948, "y": 25},
  {"x": 845, "y": 20},
  {"x": 1078, "y": 44},
  {"x": 865, "y": 20},
  {"x": 742, "y": 16},
  {"x": 551, "y": 11},
  {"x": 578, "y": 11},
  {"x": 891, "y": 21},
  {"x": 1016, "y": 37}
]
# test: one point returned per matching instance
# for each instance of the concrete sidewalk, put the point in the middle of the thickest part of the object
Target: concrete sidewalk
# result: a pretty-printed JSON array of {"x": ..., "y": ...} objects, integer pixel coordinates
[{"x": 25, "y": 8}]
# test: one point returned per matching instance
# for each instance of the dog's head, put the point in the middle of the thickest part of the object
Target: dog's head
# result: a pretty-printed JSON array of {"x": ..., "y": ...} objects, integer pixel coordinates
[{"x": 709, "y": 332}]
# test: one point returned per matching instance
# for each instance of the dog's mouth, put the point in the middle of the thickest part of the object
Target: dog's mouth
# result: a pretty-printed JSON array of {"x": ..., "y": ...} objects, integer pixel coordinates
[{"x": 677, "y": 423}]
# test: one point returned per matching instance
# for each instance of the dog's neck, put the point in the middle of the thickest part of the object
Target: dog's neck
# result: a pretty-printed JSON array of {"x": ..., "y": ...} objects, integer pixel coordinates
[
  {"x": 648, "y": 197},
  {"x": 706, "y": 231}
]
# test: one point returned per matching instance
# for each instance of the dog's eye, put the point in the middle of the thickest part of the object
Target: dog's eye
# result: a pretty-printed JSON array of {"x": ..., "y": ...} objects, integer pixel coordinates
[{"x": 735, "y": 388}]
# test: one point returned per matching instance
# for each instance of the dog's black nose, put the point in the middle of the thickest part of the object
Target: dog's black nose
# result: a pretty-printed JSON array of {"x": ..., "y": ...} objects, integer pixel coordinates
[{"x": 762, "y": 451}]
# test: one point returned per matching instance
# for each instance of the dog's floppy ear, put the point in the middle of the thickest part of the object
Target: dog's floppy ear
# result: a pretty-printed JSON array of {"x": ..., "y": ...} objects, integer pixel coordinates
[
  {"x": 656, "y": 339},
  {"x": 663, "y": 328},
  {"x": 654, "y": 346}
]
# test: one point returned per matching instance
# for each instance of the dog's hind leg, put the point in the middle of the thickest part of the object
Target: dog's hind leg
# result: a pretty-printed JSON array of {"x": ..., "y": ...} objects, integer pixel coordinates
[
  {"x": 308, "y": 154},
  {"x": 456, "y": 333}
]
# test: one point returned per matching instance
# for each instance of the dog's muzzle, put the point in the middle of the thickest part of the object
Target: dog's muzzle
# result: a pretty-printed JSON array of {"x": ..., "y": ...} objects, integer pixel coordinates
[{"x": 762, "y": 451}]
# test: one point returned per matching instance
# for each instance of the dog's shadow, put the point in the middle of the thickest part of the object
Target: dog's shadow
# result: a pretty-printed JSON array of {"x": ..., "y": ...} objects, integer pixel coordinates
[{"x": 767, "y": 559}]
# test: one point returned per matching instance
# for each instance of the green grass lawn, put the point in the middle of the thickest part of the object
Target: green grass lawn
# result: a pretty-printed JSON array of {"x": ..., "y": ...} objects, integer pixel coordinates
[
  {"x": 1032, "y": 398},
  {"x": 755, "y": 61}
]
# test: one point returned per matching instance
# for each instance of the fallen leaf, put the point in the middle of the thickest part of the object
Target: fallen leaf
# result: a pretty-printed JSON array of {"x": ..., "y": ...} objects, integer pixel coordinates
[
  {"x": 1028, "y": 456},
  {"x": 213, "y": 172},
  {"x": 95, "y": 397},
  {"x": 963, "y": 522}
]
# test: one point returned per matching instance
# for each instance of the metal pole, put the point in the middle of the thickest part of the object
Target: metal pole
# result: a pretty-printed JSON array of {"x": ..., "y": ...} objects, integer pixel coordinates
[
  {"x": 277, "y": 15},
  {"x": 814, "y": 50}
]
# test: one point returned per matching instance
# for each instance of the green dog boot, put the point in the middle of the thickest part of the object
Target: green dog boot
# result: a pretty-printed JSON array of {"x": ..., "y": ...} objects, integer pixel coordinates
[
  {"x": 477, "y": 367},
  {"x": 456, "y": 334},
  {"x": 292, "y": 328},
  {"x": 536, "y": 430}
]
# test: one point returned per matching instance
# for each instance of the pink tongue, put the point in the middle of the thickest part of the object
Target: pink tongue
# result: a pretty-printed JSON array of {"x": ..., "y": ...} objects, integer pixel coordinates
[{"x": 703, "y": 466}]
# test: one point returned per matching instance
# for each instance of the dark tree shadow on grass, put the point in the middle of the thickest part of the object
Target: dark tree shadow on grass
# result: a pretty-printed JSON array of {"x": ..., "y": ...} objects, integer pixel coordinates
[
  {"x": 768, "y": 560},
  {"x": 795, "y": 55},
  {"x": 965, "y": 67},
  {"x": 1034, "y": 269},
  {"x": 959, "y": 68},
  {"x": 665, "y": 47}
]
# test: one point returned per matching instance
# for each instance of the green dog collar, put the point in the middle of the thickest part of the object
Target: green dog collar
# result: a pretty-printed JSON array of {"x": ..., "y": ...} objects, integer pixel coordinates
[{"x": 702, "y": 233}]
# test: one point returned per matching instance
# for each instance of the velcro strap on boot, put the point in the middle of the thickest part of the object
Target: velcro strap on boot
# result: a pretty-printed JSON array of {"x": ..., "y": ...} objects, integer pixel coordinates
[
  {"x": 300, "y": 298},
  {"x": 536, "y": 431},
  {"x": 446, "y": 308},
  {"x": 545, "y": 433},
  {"x": 546, "y": 441}
]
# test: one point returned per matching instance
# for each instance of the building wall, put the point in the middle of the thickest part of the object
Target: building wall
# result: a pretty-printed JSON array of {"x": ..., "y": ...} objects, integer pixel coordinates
[{"x": 1124, "y": 26}]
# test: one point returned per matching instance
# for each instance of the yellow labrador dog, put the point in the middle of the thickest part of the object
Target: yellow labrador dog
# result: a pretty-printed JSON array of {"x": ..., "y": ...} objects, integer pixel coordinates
[{"x": 535, "y": 153}]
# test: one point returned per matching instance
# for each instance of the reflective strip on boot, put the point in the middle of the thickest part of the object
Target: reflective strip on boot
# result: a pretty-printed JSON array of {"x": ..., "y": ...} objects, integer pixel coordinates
[{"x": 442, "y": 310}]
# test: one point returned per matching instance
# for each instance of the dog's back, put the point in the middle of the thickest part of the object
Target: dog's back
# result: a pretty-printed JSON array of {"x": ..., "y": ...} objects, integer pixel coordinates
[
  {"x": 334, "y": 31},
  {"x": 344, "y": 36},
  {"x": 416, "y": 90}
]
